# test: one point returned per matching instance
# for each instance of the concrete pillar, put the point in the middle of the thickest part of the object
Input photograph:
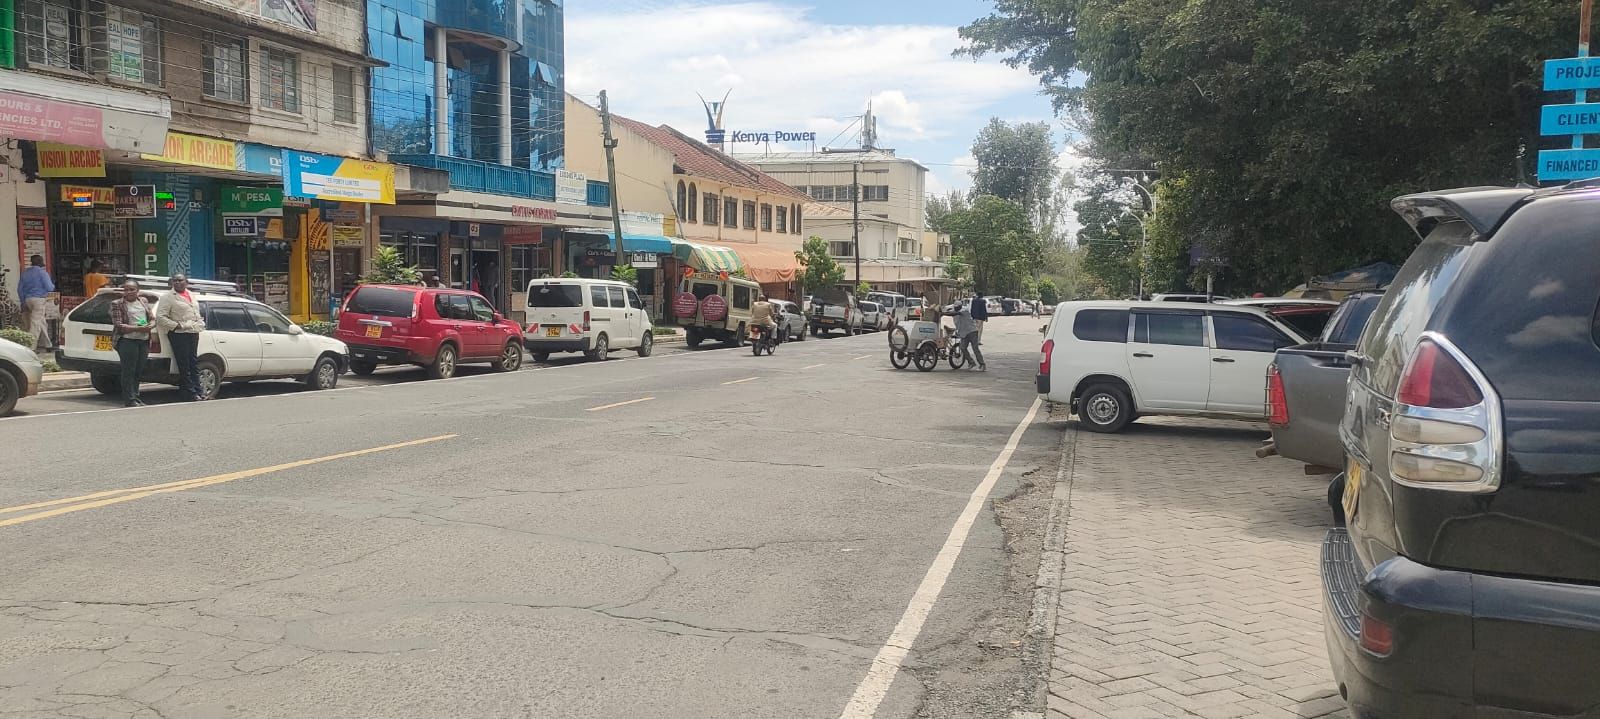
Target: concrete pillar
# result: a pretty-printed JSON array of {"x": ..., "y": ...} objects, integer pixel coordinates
[
  {"x": 441, "y": 93},
  {"x": 505, "y": 106}
]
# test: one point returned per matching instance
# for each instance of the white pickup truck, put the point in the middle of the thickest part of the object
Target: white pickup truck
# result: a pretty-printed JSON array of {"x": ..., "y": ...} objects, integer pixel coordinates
[{"x": 834, "y": 310}]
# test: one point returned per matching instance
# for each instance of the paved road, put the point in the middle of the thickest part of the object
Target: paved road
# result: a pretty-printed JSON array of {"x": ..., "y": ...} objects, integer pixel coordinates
[{"x": 702, "y": 534}]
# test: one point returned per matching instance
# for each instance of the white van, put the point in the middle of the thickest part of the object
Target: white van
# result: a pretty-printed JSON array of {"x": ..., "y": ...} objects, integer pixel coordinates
[
  {"x": 583, "y": 315},
  {"x": 1111, "y": 362},
  {"x": 895, "y": 306}
]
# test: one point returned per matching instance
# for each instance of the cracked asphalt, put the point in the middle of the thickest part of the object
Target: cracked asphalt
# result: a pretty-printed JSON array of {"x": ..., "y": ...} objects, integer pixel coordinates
[{"x": 718, "y": 550}]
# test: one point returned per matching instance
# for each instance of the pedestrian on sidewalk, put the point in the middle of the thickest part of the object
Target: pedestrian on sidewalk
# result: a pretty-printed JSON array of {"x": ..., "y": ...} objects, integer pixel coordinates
[
  {"x": 178, "y": 317},
  {"x": 967, "y": 331},
  {"x": 131, "y": 318},
  {"x": 33, "y": 289}
]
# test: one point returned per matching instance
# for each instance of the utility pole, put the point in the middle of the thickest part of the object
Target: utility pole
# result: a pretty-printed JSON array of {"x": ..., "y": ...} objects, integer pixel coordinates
[
  {"x": 611, "y": 172},
  {"x": 855, "y": 215}
]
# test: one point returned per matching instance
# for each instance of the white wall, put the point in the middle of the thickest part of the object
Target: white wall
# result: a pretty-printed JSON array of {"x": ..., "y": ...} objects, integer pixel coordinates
[{"x": 14, "y": 193}]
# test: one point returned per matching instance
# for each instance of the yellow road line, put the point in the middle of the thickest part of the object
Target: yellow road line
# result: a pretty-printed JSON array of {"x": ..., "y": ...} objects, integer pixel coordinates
[
  {"x": 619, "y": 404},
  {"x": 118, "y": 496},
  {"x": 742, "y": 381}
]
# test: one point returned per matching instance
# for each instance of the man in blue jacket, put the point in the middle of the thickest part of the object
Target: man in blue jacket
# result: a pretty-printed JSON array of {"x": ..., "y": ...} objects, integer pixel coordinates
[{"x": 34, "y": 288}]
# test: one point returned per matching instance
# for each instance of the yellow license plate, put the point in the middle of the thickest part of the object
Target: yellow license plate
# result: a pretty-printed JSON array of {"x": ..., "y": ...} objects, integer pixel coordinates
[
  {"x": 374, "y": 331},
  {"x": 102, "y": 343},
  {"x": 1352, "y": 488},
  {"x": 552, "y": 332}
]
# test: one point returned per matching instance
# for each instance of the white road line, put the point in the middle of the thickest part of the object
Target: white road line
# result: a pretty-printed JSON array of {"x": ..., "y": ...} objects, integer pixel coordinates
[
  {"x": 862, "y": 357},
  {"x": 814, "y": 366},
  {"x": 619, "y": 404},
  {"x": 742, "y": 381},
  {"x": 886, "y": 665}
]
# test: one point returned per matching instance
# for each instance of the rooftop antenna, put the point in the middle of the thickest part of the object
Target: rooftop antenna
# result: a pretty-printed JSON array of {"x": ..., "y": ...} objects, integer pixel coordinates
[{"x": 869, "y": 129}]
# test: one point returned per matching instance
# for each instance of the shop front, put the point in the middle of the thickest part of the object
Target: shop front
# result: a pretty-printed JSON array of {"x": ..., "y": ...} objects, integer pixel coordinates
[{"x": 774, "y": 267}]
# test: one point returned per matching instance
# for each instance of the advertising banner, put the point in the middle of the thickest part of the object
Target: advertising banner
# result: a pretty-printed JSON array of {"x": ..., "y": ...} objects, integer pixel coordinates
[
  {"x": 97, "y": 195},
  {"x": 35, "y": 118},
  {"x": 70, "y": 161},
  {"x": 323, "y": 177},
  {"x": 258, "y": 159},
  {"x": 130, "y": 201},
  {"x": 237, "y": 200},
  {"x": 572, "y": 188},
  {"x": 183, "y": 149},
  {"x": 239, "y": 227}
]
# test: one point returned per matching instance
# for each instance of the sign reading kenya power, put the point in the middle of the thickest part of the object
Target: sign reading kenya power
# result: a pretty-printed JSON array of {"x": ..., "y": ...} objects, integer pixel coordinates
[{"x": 336, "y": 178}]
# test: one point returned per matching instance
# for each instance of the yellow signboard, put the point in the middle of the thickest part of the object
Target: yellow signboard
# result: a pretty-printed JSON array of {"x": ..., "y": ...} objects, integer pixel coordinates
[
  {"x": 98, "y": 195},
  {"x": 56, "y": 160},
  {"x": 195, "y": 150}
]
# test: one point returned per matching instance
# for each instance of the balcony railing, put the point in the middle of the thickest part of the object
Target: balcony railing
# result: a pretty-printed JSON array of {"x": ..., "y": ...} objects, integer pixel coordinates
[{"x": 496, "y": 179}]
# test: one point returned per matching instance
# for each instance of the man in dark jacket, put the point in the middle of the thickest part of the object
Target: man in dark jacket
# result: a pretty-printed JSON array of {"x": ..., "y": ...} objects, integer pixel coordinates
[{"x": 980, "y": 310}]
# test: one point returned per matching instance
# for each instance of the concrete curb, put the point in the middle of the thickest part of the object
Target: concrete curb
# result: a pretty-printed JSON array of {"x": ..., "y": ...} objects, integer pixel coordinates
[
  {"x": 63, "y": 380},
  {"x": 1047, "y": 586}
]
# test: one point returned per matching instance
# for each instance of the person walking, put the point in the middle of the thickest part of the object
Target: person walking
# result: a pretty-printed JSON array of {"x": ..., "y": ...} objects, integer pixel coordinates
[
  {"x": 95, "y": 278},
  {"x": 33, "y": 289},
  {"x": 178, "y": 317},
  {"x": 131, "y": 318},
  {"x": 967, "y": 333}
]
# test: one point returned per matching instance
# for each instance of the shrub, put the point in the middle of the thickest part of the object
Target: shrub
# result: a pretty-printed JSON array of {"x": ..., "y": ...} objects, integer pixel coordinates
[
  {"x": 320, "y": 327},
  {"x": 18, "y": 336}
]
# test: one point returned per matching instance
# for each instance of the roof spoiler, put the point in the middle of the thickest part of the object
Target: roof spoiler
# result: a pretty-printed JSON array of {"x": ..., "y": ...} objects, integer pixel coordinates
[{"x": 1482, "y": 208}]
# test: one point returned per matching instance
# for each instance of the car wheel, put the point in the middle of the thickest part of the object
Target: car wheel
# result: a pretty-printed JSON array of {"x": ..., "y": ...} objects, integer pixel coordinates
[
  {"x": 444, "y": 363},
  {"x": 647, "y": 344},
  {"x": 10, "y": 392},
  {"x": 510, "y": 358},
  {"x": 691, "y": 337},
  {"x": 737, "y": 340},
  {"x": 602, "y": 349},
  {"x": 325, "y": 375},
  {"x": 540, "y": 356},
  {"x": 109, "y": 385},
  {"x": 363, "y": 368},
  {"x": 1105, "y": 408},
  {"x": 1335, "y": 498},
  {"x": 209, "y": 372},
  {"x": 804, "y": 330}
]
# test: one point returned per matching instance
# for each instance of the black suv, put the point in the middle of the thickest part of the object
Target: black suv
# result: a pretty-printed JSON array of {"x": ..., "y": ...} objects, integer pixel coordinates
[{"x": 1468, "y": 582}]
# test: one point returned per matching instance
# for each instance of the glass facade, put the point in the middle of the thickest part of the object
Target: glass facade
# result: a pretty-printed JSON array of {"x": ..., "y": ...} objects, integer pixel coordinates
[{"x": 401, "y": 33}]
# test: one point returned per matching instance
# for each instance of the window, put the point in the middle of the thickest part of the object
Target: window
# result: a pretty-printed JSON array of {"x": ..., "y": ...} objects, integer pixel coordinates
[
  {"x": 874, "y": 193},
  {"x": 692, "y": 202},
  {"x": 268, "y": 320},
  {"x": 481, "y": 311},
  {"x": 132, "y": 47},
  {"x": 841, "y": 248},
  {"x": 452, "y": 307},
  {"x": 1247, "y": 334},
  {"x": 597, "y": 296},
  {"x": 703, "y": 290},
  {"x": 633, "y": 299},
  {"x": 528, "y": 262},
  {"x": 227, "y": 70},
  {"x": 381, "y": 302},
  {"x": 618, "y": 297},
  {"x": 730, "y": 212},
  {"x": 749, "y": 215},
  {"x": 1184, "y": 330},
  {"x": 741, "y": 297},
  {"x": 1309, "y": 323},
  {"x": 711, "y": 205},
  {"x": 830, "y": 193},
  {"x": 280, "y": 80},
  {"x": 783, "y": 219},
  {"x": 766, "y": 217},
  {"x": 908, "y": 246},
  {"x": 795, "y": 228},
  {"x": 545, "y": 296},
  {"x": 683, "y": 200},
  {"x": 344, "y": 94},
  {"x": 229, "y": 318},
  {"x": 52, "y": 33}
]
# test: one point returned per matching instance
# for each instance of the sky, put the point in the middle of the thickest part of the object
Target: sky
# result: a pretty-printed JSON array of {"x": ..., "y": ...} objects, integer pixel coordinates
[{"x": 803, "y": 65}]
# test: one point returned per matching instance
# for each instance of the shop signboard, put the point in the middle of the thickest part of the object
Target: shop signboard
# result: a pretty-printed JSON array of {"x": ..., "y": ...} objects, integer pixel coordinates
[
  {"x": 240, "y": 227},
  {"x": 642, "y": 223},
  {"x": 96, "y": 195},
  {"x": 153, "y": 261},
  {"x": 572, "y": 188},
  {"x": 1578, "y": 74},
  {"x": 522, "y": 235},
  {"x": 197, "y": 151},
  {"x": 343, "y": 213},
  {"x": 258, "y": 159},
  {"x": 133, "y": 201},
  {"x": 644, "y": 260},
  {"x": 251, "y": 201},
  {"x": 33, "y": 236},
  {"x": 536, "y": 213},
  {"x": 57, "y": 160},
  {"x": 323, "y": 177},
  {"x": 602, "y": 257},
  {"x": 29, "y": 117},
  {"x": 275, "y": 290}
]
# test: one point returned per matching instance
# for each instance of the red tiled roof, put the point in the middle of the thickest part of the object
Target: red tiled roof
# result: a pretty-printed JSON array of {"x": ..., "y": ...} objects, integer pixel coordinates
[{"x": 695, "y": 158}]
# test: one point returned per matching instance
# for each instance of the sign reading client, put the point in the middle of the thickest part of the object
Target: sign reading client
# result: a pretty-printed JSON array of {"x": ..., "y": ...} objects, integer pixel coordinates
[
  {"x": 337, "y": 178},
  {"x": 773, "y": 136}
]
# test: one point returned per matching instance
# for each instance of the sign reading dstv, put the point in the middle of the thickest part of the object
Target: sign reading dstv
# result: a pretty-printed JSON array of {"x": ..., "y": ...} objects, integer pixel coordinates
[{"x": 774, "y": 136}]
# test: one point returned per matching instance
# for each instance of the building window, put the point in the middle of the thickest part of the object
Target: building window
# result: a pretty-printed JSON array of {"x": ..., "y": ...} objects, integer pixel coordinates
[
  {"x": 528, "y": 263},
  {"x": 52, "y": 33},
  {"x": 766, "y": 217},
  {"x": 795, "y": 228},
  {"x": 843, "y": 248},
  {"x": 280, "y": 80},
  {"x": 908, "y": 246},
  {"x": 783, "y": 219},
  {"x": 344, "y": 93},
  {"x": 132, "y": 47},
  {"x": 831, "y": 193},
  {"x": 227, "y": 72},
  {"x": 711, "y": 206},
  {"x": 693, "y": 202},
  {"x": 749, "y": 215},
  {"x": 683, "y": 200},
  {"x": 874, "y": 193},
  {"x": 730, "y": 212}
]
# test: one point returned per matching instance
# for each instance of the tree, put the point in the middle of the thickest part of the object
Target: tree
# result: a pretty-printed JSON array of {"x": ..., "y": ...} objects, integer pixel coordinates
[
  {"x": 957, "y": 269},
  {"x": 940, "y": 207},
  {"x": 1018, "y": 163},
  {"x": 996, "y": 238},
  {"x": 862, "y": 288},
  {"x": 389, "y": 268},
  {"x": 1047, "y": 291},
  {"x": 818, "y": 268},
  {"x": 625, "y": 273},
  {"x": 1289, "y": 125}
]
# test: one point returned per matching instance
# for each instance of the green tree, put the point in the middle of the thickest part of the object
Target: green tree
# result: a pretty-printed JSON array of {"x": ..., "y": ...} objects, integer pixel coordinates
[
  {"x": 1018, "y": 163},
  {"x": 818, "y": 268},
  {"x": 390, "y": 268},
  {"x": 940, "y": 207},
  {"x": 1047, "y": 291},
  {"x": 862, "y": 288},
  {"x": 998, "y": 241},
  {"x": 625, "y": 273},
  {"x": 957, "y": 269}
]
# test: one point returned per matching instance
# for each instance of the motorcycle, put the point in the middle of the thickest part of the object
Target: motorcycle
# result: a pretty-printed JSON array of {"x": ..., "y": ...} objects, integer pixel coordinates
[{"x": 762, "y": 340}]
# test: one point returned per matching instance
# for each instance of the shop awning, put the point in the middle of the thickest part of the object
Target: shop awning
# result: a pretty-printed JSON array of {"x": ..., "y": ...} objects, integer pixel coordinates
[
  {"x": 658, "y": 244},
  {"x": 707, "y": 258},
  {"x": 768, "y": 265}
]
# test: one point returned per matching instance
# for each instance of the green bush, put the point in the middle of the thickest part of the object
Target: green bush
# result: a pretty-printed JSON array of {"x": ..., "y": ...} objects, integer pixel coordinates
[
  {"x": 319, "y": 327},
  {"x": 18, "y": 336},
  {"x": 51, "y": 367}
]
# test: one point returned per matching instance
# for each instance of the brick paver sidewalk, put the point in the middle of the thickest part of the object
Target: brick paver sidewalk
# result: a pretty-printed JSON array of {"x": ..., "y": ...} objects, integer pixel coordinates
[{"x": 1191, "y": 584}]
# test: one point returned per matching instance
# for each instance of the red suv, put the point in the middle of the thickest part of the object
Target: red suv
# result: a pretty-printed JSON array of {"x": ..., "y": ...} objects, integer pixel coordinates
[{"x": 433, "y": 327}]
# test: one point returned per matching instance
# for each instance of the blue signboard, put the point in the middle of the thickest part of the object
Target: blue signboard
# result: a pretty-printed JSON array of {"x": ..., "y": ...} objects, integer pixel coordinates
[
  {"x": 258, "y": 159},
  {"x": 1579, "y": 119},
  {"x": 1573, "y": 73},
  {"x": 1569, "y": 164}
]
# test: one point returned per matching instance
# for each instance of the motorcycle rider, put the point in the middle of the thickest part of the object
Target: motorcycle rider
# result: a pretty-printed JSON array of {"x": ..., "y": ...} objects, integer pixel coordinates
[{"x": 762, "y": 315}]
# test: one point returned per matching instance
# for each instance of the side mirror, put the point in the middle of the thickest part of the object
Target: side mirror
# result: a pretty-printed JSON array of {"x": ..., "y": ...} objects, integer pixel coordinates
[
  {"x": 296, "y": 330},
  {"x": 498, "y": 318}
]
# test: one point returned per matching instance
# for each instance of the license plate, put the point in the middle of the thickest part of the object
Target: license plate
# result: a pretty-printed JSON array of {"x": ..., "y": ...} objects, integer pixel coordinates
[
  {"x": 1352, "y": 488},
  {"x": 374, "y": 330},
  {"x": 102, "y": 343},
  {"x": 552, "y": 332}
]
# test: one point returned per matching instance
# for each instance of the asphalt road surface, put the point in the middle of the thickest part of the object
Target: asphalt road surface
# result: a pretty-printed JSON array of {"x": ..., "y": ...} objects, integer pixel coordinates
[{"x": 697, "y": 534}]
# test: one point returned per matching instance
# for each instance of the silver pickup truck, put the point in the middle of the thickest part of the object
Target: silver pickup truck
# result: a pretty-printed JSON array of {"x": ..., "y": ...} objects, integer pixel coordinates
[{"x": 1306, "y": 385}]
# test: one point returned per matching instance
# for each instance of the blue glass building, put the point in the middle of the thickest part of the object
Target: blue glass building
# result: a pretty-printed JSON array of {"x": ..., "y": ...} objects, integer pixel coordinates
[{"x": 502, "y": 73}]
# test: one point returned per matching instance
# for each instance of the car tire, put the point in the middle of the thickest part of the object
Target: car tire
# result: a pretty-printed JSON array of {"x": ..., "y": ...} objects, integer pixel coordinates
[
  {"x": 10, "y": 392},
  {"x": 444, "y": 363},
  {"x": 325, "y": 375},
  {"x": 1335, "y": 498},
  {"x": 209, "y": 372},
  {"x": 647, "y": 344},
  {"x": 539, "y": 356},
  {"x": 510, "y": 358},
  {"x": 363, "y": 369},
  {"x": 109, "y": 385},
  {"x": 737, "y": 340},
  {"x": 691, "y": 337},
  {"x": 1105, "y": 408},
  {"x": 602, "y": 348},
  {"x": 803, "y": 331}
]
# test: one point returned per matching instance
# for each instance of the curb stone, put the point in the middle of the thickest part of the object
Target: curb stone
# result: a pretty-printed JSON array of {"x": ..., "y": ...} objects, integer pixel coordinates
[{"x": 1041, "y": 630}]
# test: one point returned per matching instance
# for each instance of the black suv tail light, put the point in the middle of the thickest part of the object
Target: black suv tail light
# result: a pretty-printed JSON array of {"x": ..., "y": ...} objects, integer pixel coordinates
[{"x": 1446, "y": 427}]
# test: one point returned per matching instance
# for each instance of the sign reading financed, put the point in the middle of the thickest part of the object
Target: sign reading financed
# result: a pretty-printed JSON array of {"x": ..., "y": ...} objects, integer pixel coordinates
[{"x": 1577, "y": 119}]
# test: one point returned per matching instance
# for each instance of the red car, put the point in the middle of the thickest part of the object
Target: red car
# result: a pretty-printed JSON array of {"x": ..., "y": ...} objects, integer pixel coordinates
[{"x": 433, "y": 327}]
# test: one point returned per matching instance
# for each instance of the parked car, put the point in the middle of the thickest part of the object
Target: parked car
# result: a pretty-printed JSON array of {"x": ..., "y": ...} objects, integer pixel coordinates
[
  {"x": 874, "y": 318},
  {"x": 20, "y": 374},
  {"x": 895, "y": 306},
  {"x": 790, "y": 319},
  {"x": 1306, "y": 387},
  {"x": 244, "y": 340},
  {"x": 914, "y": 307},
  {"x": 709, "y": 306},
  {"x": 834, "y": 310},
  {"x": 1111, "y": 362},
  {"x": 433, "y": 327},
  {"x": 1468, "y": 581},
  {"x": 994, "y": 305},
  {"x": 1309, "y": 316},
  {"x": 586, "y": 315}
]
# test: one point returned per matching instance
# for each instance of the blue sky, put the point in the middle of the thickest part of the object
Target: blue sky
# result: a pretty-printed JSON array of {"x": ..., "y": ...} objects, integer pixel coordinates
[{"x": 802, "y": 65}]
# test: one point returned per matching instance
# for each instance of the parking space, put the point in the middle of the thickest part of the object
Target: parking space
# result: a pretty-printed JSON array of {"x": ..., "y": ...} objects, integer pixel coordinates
[{"x": 1191, "y": 585}]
